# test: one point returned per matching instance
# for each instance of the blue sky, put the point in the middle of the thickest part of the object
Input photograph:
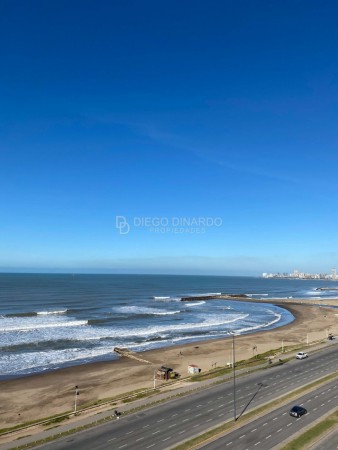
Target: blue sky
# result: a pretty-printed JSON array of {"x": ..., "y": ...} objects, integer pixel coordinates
[{"x": 183, "y": 109}]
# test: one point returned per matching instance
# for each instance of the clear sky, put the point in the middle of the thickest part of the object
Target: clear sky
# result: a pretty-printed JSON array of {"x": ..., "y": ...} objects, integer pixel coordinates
[{"x": 168, "y": 110}]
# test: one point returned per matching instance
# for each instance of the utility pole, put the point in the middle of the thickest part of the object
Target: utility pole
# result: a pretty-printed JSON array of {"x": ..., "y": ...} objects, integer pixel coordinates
[
  {"x": 234, "y": 374},
  {"x": 76, "y": 394}
]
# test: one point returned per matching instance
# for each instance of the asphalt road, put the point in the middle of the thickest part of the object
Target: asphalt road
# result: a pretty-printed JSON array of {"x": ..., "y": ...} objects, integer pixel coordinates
[
  {"x": 274, "y": 428},
  {"x": 164, "y": 426}
]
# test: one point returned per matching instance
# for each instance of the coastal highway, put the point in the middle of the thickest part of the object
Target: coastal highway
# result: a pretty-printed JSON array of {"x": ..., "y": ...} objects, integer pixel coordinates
[
  {"x": 272, "y": 429},
  {"x": 167, "y": 424}
]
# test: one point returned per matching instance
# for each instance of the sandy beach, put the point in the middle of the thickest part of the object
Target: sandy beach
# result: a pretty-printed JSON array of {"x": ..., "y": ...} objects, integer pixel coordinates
[{"x": 43, "y": 395}]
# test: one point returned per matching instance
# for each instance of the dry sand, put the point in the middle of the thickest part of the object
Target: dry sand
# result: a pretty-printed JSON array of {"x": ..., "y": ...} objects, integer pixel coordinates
[{"x": 40, "y": 396}]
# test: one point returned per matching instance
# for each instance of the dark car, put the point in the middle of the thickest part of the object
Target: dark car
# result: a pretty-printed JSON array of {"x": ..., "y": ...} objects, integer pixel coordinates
[{"x": 297, "y": 411}]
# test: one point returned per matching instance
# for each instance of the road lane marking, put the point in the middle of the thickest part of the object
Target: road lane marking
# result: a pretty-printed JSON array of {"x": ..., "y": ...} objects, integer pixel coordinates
[
  {"x": 155, "y": 432},
  {"x": 146, "y": 426},
  {"x": 243, "y": 435},
  {"x": 257, "y": 443},
  {"x": 165, "y": 439},
  {"x": 268, "y": 436},
  {"x": 279, "y": 430},
  {"x": 112, "y": 439},
  {"x": 255, "y": 429},
  {"x": 173, "y": 425},
  {"x": 161, "y": 420},
  {"x": 149, "y": 446},
  {"x": 229, "y": 443},
  {"x": 181, "y": 432},
  {"x": 139, "y": 439},
  {"x": 129, "y": 432},
  {"x": 265, "y": 424},
  {"x": 122, "y": 446}
]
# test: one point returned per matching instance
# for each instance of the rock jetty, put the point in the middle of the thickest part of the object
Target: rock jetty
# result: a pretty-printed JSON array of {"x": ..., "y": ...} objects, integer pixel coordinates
[{"x": 217, "y": 296}]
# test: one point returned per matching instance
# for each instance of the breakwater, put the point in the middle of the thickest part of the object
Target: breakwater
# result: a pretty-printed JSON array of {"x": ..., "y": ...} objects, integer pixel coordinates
[{"x": 213, "y": 297}]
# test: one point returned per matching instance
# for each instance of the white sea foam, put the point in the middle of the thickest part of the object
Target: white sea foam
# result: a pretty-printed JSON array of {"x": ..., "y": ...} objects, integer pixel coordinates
[
  {"x": 264, "y": 325},
  {"x": 145, "y": 310},
  {"x": 46, "y": 313},
  {"x": 208, "y": 323},
  {"x": 202, "y": 302},
  {"x": 22, "y": 327},
  {"x": 167, "y": 299},
  {"x": 29, "y": 361}
]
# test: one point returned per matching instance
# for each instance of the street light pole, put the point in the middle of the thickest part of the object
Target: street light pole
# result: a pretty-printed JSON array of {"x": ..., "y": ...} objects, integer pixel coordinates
[
  {"x": 234, "y": 374},
  {"x": 76, "y": 394}
]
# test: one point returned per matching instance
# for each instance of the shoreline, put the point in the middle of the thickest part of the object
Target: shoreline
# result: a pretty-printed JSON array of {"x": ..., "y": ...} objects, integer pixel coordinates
[{"x": 45, "y": 394}]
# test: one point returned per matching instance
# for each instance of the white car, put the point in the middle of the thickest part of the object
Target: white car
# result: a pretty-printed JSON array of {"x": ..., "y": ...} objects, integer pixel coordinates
[{"x": 301, "y": 355}]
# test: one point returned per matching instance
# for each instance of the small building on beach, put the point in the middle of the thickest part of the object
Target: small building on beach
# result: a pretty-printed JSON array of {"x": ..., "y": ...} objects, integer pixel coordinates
[{"x": 193, "y": 369}]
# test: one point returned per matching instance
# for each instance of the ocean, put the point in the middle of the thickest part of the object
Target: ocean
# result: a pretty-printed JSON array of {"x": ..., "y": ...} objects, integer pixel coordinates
[{"x": 53, "y": 321}]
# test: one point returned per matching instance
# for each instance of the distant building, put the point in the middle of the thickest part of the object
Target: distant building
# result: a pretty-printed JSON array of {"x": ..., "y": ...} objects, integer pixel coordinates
[{"x": 303, "y": 275}]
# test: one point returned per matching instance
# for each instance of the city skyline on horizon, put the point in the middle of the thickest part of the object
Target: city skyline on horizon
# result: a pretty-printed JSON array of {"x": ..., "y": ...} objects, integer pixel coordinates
[{"x": 196, "y": 139}]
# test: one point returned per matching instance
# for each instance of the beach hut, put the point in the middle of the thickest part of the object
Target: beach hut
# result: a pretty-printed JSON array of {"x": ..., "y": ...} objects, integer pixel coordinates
[
  {"x": 163, "y": 373},
  {"x": 193, "y": 369}
]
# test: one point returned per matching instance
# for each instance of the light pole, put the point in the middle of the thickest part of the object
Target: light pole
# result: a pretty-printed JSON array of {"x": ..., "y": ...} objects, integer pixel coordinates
[
  {"x": 234, "y": 374},
  {"x": 76, "y": 394}
]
